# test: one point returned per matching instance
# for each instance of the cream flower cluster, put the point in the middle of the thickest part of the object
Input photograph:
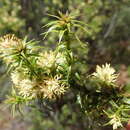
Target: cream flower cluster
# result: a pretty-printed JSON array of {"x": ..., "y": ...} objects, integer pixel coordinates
[
  {"x": 105, "y": 74},
  {"x": 26, "y": 89},
  {"x": 10, "y": 44},
  {"x": 46, "y": 59},
  {"x": 51, "y": 59},
  {"x": 52, "y": 87},
  {"x": 24, "y": 86},
  {"x": 47, "y": 88}
]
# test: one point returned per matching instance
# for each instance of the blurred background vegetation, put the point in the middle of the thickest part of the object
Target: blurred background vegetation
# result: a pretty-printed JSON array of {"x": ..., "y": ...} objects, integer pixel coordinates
[{"x": 108, "y": 40}]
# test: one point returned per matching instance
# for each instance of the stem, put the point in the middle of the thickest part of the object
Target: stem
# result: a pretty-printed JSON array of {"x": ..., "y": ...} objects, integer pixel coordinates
[{"x": 67, "y": 39}]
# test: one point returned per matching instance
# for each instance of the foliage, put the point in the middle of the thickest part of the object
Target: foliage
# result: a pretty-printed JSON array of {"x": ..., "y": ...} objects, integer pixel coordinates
[{"x": 71, "y": 73}]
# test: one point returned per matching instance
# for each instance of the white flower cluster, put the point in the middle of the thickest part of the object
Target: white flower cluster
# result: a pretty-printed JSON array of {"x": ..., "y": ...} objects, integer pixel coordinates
[
  {"x": 46, "y": 59},
  {"x": 49, "y": 88},
  {"x": 52, "y": 87},
  {"x": 105, "y": 74},
  {"x": 24, "y": 85},
  {"x": 10, "y": 44}
]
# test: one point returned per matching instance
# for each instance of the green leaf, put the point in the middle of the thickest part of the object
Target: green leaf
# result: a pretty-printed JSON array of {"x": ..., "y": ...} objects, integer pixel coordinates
[
  {"x": 50, "y": 30},
  {"x": 61, "y": 33}
]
